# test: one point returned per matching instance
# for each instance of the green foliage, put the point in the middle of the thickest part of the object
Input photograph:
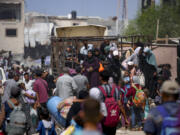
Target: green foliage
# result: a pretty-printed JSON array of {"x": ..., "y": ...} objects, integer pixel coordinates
[
  {"x": 132, "y": 28},
  {"x": 146, "y": 22}
]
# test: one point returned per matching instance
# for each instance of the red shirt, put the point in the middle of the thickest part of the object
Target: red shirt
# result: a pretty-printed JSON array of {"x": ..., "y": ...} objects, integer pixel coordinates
[
  {"x": 41, "y": 87},
  {"x": 132, "y": 92},
  {"x": 122, "y": 93}
]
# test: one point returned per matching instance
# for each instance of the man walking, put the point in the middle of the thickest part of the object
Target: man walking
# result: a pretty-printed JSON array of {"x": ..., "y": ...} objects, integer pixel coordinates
[
  {"x": 165, "y": 118},
  {"x": 40, "y": 87},
  {"x": 81, "y": 80},
  {"x": 65, "y": 86},
  {"x": 9, "y": 84}
]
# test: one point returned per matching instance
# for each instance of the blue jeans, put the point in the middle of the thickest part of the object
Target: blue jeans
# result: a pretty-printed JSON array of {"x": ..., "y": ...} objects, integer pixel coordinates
[
  {"x": 137, "y": 115},
  {"x": 133, "y": 120}
]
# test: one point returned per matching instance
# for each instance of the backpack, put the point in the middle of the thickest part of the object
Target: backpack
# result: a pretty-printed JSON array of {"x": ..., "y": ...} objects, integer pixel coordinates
[
  {"x": 139, "y": 98},
  {"x": 170, "y": 124},
  {"x": 112, "y": 107},
  {"x": 17, "y": 123},
  {"x": 124, "y": 91}
]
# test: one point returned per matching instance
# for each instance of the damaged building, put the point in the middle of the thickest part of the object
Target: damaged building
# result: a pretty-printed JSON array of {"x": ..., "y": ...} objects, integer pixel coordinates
[
  {"x": 40, "y": 27},
  {"x": 12, "y": 26}
]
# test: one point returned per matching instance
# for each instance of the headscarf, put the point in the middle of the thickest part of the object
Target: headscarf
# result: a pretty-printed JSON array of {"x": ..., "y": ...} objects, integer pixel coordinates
[
  {"x": 146, "y": 49},
  {"x": 137, "y": 50},
  {"x": 90, "y": 59},
  {"x": 96, "y": 50},
  {"x": 151, "y": 59}
]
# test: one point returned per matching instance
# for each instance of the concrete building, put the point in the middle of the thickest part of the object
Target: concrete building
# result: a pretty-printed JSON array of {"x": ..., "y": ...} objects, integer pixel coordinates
[
  {"x": 12, "y": 26},
  {"x": 40, "y": 27},
  {"x": 34, "y": 21},
  {"x": 38, "y": 30},
  {"x": 110, "y": 24}
]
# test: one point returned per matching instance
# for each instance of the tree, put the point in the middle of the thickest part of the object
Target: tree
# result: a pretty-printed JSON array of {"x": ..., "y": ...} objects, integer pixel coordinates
[{"x": 146, "y": 22}]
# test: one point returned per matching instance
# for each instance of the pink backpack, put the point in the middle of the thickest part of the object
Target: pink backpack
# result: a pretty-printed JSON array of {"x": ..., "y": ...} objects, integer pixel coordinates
[{"x": 113, "y": 110}]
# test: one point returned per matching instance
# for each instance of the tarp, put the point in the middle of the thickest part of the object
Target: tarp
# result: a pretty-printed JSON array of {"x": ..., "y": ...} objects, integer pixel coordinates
[
  {"x": 38, "y": 32},
  {"x": 81, "y": 31}
]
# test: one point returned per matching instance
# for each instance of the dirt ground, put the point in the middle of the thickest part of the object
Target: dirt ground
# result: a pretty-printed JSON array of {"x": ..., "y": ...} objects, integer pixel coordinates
[{"x": 128, "y": 132}]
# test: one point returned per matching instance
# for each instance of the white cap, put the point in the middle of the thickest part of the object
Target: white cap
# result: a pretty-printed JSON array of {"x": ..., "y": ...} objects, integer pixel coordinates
[
  {"x": 20, "y": 82},
  {"x": 170, "y": 87},
  {"x": 130, "y": 63},
  {"x": 94, "y": 93},
  {"x": 115, "y": 53}
]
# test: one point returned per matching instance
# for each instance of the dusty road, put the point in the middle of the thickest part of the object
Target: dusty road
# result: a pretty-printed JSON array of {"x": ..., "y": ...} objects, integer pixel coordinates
[
  {"x": 124, "y": 132},
  {"x": 127, "y": 132}
]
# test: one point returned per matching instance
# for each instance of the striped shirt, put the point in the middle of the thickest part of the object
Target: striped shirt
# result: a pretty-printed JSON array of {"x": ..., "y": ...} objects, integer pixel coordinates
[{"x": 108, "y": 89}]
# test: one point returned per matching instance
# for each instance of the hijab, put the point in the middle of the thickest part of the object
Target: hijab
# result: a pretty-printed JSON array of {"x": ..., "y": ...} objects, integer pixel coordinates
[{"x": 90, "y": 60}]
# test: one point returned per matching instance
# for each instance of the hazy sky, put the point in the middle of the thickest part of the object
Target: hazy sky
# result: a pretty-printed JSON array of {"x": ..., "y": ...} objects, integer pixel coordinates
[{"x": 102, "y": 8}]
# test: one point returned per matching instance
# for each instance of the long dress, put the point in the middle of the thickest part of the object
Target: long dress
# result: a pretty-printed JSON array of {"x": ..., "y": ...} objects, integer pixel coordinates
[
  {"x": 150, "y": 79},
  {"x": 93, "y": 77}
]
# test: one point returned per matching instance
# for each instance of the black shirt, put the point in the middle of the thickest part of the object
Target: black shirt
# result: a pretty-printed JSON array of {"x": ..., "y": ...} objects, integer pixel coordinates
[{"x": 74, "y": 110}]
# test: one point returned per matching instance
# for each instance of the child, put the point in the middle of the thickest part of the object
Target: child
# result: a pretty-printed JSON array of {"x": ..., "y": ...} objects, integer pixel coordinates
[
  {"x": 124, "y": 100},
  {"x": 29, "y": 96},
  {"x": 91, "y": 118},
  {"x": 136, "y": 103},
  {"x": 146, "y": 105},
  {"x": 126, "y": 79},
  {"x": 45, "y": 126}
]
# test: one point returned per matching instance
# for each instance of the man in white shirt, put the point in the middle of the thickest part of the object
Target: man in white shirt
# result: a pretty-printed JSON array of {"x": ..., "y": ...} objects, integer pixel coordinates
[
  {"x": 86, "y": 47},
  {"x": 81, "y": 80},
  {"x": 28, "y": 83},
  {"x": 66, "y": 86}
]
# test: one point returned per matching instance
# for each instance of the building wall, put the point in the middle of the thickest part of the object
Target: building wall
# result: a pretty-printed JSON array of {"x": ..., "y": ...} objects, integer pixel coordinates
[
  {"x": 167, "y": 55},
  {"x": 66, "y": 23},
  {"x": 14, "y": 44}
]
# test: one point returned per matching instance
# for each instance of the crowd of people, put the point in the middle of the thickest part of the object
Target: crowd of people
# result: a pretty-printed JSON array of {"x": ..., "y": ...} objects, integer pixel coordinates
[{"x": 104, "y": 92}]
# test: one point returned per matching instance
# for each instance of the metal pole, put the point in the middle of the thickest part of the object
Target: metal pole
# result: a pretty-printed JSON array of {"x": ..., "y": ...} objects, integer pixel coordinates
[
  {"x": 117, "y": 20},
  {"x": 157, "y": 30},
  {"x": 178, "y": 61}
]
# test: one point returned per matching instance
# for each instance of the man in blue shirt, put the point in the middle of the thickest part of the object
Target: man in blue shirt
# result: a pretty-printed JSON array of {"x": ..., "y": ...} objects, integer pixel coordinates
[{"x": 170, "y": 108}]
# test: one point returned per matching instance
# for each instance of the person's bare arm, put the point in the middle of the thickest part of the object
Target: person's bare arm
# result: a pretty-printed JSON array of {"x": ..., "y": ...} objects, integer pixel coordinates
[
  {"x": 123, "y": 111},
  {"x": 37, "y": 104},
  {"x": 2, "y": 115},
  {"x": 29, "y": 96}
]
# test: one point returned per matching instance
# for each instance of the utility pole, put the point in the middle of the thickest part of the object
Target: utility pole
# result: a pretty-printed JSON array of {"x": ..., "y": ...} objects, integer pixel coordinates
[
  {"x": 124, "y": 13},
  {"x": 178, "y": 61},
  {"x": 157, "y": 30},
  {"x": 118, "y": 14}
]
